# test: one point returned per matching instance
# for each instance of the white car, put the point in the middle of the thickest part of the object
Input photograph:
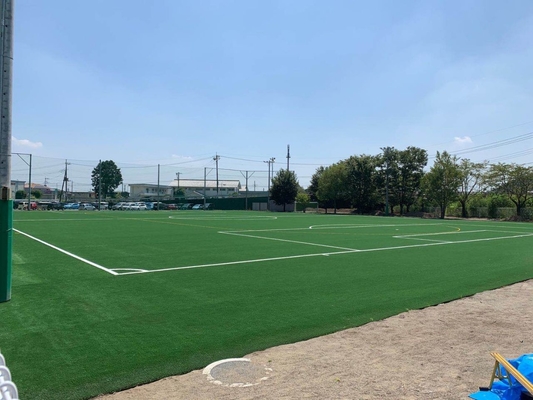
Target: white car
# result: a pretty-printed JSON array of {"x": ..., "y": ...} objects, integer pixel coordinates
[
  {"x": 127, "y": 206},
  {"x": 138, "y": 206},
  {"x": 86, "y": 207}
]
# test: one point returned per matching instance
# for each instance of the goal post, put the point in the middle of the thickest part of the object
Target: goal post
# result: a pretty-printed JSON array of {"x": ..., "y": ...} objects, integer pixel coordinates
[{"x": 310, "y": 207}]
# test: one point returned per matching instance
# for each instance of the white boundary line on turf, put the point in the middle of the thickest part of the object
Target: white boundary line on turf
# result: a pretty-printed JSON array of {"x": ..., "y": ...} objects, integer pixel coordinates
[
  {"x": 351, "y": 226},
  {"x": 68, "y": 253},
  {"x": 325, "y": 254},
  {"x": 288, "y": 241},
  {"x": 415, "y": 235},
  {"x": 215, "y": 218},
  {"x": 239, "y": 262}
]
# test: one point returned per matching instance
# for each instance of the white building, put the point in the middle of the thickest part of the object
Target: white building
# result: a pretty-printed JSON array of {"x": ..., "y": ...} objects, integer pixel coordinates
[{"x": 190, "y": 187}]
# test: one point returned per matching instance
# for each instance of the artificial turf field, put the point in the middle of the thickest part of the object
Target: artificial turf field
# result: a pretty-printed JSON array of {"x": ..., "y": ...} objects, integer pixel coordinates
[{"x": 103, "y": 301}]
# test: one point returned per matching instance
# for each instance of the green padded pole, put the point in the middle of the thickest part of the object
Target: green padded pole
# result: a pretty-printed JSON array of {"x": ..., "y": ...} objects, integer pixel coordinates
[{"x": 6, "y": 239}]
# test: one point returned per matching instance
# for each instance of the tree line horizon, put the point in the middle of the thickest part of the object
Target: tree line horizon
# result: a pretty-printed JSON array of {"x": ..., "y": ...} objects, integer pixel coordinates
[{"x": 395, "y": 179}]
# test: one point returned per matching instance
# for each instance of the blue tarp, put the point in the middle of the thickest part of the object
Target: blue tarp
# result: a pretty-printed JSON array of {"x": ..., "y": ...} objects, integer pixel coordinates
[{"x": 501, "y": 390}]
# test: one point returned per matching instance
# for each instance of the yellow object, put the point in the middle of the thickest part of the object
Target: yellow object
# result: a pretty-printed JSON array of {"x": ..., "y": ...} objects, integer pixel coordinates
[{"x": 497, "y": 373}]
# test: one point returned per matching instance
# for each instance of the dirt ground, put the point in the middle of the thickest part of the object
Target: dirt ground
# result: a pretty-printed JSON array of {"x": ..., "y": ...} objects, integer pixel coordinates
[{"x": 440, "y": 352}]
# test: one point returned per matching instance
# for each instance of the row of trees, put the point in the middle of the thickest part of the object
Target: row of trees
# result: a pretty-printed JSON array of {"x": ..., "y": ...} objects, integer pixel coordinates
[{"x": 396, "y": 179}]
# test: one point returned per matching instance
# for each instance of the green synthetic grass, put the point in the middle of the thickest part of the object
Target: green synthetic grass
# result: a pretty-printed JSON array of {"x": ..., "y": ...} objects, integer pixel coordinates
[{"x": 73, "y": 331}]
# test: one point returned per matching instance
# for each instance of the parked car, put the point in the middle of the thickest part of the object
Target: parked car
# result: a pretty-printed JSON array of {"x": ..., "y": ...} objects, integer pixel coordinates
[
  {"x": 71, "y": 206},
  {"x": 86, "y": 207},
  {"x": 103, "y": 205},
  {"x": 127, "y": 206},
  {"x": 55, "y": 205},
  {"x": 186, "y": 206},
  {"x": 197, "y": 207},
  {"x": 208, "y": 206},
  {"x": 159, "y": 206},
  {"x": 171, "y": 207},
  {"x": 118, "y": 206},
  {"x": 138, "y": 206}
]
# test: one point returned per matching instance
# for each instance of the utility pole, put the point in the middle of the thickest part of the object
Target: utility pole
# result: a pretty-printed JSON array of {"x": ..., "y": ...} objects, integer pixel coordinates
[
  {"x": 64, "y": 184},
  {"x": 158, "y": 191},
  {"x": 288, "y": 155},
  {"x": 272, "y": 159},
  {"x": 29, "y": 173},
  {"x": 100, "y": 185},
  {"x": 6, "y": 203},
  {"x": 269, "y": 161},
  {"x": 178, "y": 176},
  {"x": 216, "y": 158}
]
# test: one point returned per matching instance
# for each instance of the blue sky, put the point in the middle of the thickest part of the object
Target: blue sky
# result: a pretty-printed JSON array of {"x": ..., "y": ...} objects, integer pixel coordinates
[{"x": 175, "y": 82}]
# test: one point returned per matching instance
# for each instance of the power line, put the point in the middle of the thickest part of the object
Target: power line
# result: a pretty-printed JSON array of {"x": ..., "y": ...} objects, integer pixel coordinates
[{"x": 493, "y": 145}]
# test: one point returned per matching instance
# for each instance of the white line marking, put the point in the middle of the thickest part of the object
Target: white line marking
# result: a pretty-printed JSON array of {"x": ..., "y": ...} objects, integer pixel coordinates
[
  {"x": 215, "y": 218},
  {"x": 326, "y": 254},
  {"x": 288, "y": 241},
  {"x": 417, "y": 238},
  {"x": 344, "y": 226},
  {"x": 438, "y": 233},
  {"x": 68, "y": 253},
  {"x": 240, "y": 262}
]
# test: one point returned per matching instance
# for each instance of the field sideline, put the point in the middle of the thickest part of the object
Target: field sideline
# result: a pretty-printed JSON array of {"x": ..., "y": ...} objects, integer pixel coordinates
[{"x": 105, "y": 301}]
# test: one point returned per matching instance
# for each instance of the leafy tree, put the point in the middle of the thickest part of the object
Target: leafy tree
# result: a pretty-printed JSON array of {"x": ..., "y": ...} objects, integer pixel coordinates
[
  {"x": 302, "y": 199},
  {"x": 388, "y": 173},
  {"x": 179, "y": 192},
  {"x": 471, "y": 182},
  {"x": 20, "y": 194},
  {"x": 312, "y": 189},
  {"x": 411, "y": 170},
  {"x": 284, "y": 187},
  {"x": 361, "y": 181},
  {"x": 36, "y": 194},
  {"x": 498, "y": 201},
  {"x": 401, "y": 173},
  {"x": 442, "y": 181},
  {"x": 106, "y": 177},
  {"x": 515, "y": 181},
  {"x": 332, "y": 184}
]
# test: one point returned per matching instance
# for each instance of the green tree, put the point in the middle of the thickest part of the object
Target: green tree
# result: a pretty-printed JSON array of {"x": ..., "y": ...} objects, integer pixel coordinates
[
  {"x": 388, "y": 174},
  {"x": 312, "y": 189},
  {"x": 332, "y": 184},
  {"x": 411, "y": 163},
  {"x": 471, "y": 182},
  {"x": 106, "y": 177},
  {"x": 179, "y": 192},
  {"x": 36, "y": 194},
  {"x": 20, "y": 194},
  {"x": 512, "y": 180},
  {"x": 302, "y": 199},
  {"x": 361, "y": 181},
  {"x": 284, "y": 188},
  {"x": 443, "y": 180}
]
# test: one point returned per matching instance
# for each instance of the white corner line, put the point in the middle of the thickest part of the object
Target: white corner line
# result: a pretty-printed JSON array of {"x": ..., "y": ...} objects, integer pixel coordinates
[{"x": 68, "y": 253}]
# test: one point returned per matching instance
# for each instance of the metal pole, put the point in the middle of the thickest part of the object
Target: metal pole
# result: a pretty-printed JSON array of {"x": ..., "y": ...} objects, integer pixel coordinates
[
  {"x": 205, "y": 177},
  {"x": 29, "y": 193},
  {"x": 158, "y": 192},
  {"x": 216, "y": 158},
  {"x": 99, "y": 184},
  {"x": 246, "y": 202},
  {"x": 6, "y": 203}
]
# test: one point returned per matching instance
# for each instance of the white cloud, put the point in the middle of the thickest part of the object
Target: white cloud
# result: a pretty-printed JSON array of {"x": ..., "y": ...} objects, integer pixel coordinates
[
  {"x": 26, "y": 143},
  {"x": 462, "y": 140}
]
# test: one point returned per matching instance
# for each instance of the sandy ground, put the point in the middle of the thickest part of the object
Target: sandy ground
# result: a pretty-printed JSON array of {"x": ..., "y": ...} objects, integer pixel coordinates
[{"x": 440, "y": 352}]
